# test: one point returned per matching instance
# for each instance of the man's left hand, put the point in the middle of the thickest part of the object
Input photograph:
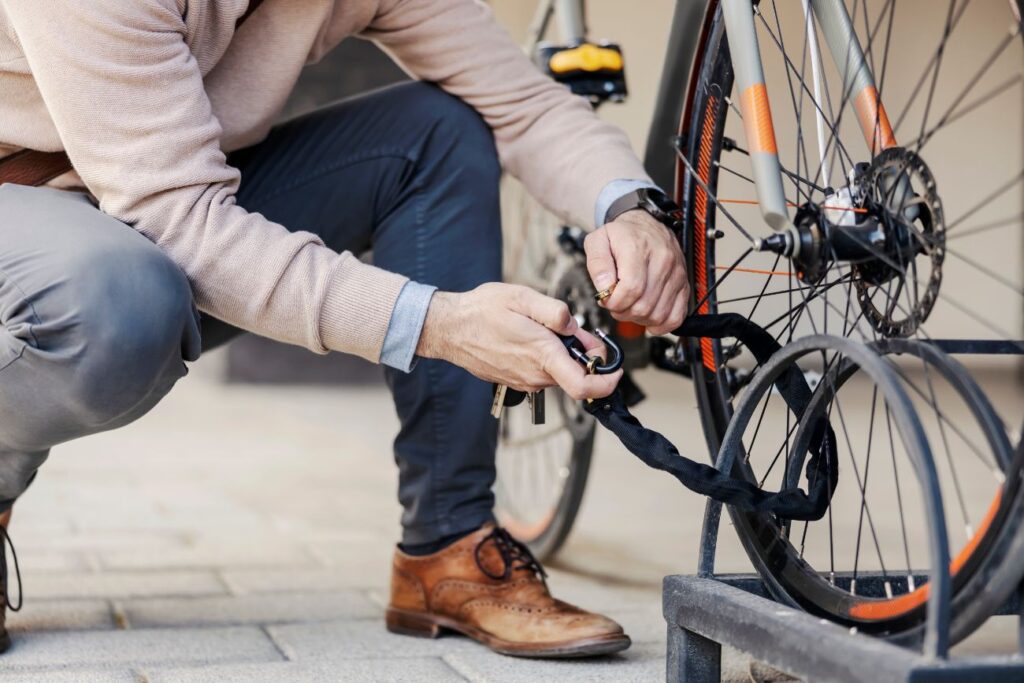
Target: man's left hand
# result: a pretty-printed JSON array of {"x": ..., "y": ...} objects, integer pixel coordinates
[{"x": 642, "y": 259}]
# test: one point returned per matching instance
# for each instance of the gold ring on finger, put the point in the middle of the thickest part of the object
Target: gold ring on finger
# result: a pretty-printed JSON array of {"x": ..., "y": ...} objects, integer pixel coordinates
[{"x": 604, "y": 294}]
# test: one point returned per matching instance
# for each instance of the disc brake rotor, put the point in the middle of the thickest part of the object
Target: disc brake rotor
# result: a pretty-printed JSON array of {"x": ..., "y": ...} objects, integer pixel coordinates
[{"x": 902, "y": 189}]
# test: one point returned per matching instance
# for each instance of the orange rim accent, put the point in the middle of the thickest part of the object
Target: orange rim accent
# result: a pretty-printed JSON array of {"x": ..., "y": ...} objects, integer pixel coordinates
[
  {"x": 757, "y": 119},
  {"x": 887, "y": 609},
  {"x": 630, "y": 330},
  {"x": 870, "y": 111},
  {"x": 707, "y": 349}
]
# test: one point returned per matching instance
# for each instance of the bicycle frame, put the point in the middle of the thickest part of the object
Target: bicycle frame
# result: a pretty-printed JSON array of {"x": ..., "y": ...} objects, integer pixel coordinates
[
  {"x": 689, "y": 26},
  {"x": 571, "y": 22}
]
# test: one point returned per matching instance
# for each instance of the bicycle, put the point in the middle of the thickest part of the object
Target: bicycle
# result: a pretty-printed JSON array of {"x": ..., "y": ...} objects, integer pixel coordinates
[{"x": 833, "y": 221}]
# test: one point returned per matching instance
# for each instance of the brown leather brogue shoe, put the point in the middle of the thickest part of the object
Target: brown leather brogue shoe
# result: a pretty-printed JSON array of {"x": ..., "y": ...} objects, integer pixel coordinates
[{"x": 489, "y": 587}]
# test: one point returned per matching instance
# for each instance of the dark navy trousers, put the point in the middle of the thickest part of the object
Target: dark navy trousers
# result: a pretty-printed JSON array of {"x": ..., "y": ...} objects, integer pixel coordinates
[{"x": 408, "y": 172}]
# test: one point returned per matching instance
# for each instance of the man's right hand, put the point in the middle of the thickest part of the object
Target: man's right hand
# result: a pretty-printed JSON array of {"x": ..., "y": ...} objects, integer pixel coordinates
[{"x": 504, "y": 333}]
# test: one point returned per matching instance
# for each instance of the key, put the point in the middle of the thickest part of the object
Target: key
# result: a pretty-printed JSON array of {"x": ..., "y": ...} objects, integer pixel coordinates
[
  {"x": 499, "y": 400},
  {"x": 505, "y": 397},
  {"x": 536, "y": 400}
]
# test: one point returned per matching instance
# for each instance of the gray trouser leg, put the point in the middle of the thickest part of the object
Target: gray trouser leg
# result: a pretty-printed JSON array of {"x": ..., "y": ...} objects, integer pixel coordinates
[{"x": 95, "y": 323}]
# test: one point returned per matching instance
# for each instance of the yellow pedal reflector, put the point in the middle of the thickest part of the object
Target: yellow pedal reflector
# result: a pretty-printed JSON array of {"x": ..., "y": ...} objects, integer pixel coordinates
[{"x": 586, "y": 57}]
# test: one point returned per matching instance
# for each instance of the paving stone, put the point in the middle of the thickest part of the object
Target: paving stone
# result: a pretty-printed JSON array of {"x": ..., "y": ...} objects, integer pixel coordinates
[
  {"x": 75, "y": 676},
  {"x": 37, "y": 560},
  {"x": 358, "y": 640},
  {"x": 639, "y": 663},
  {"x": 242, "y": 581},
  {"x": 101, "y": 539},
  {"x": 112, "y": 584},
  {"x": 55, "y": 615},
  {"x": 255, "y": 551},
  {"x": 412, "y": 670},
  {"x": 140, "y": 647},
  {"x": 250, "y": 609}
]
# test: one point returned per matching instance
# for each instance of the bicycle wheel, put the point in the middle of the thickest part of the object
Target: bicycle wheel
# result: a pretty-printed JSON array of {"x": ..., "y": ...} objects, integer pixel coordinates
[
  {"x": 542, "y": 470},
  {"x": 955, "y": 102}
]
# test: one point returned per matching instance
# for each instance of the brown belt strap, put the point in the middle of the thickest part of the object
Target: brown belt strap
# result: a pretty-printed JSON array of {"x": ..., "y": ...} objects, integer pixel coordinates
[{"x": 29, "y": 167}]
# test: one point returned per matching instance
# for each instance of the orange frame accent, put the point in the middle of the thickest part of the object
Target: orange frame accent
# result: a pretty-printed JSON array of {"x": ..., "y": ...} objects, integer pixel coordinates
[
  {"x": 870, "y": 111},
  {"x": 757, "y": 119}
]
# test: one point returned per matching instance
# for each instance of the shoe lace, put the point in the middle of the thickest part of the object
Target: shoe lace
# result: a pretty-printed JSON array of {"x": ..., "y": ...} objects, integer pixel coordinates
[
  {"x": 5, "y": 540},
  {"x": 515, "y": 555}
]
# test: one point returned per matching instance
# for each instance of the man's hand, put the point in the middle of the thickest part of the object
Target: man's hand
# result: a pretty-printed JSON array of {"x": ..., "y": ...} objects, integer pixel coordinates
[
  {"x": 504, "y": 333},
  {"x": 643, "y": 260}
]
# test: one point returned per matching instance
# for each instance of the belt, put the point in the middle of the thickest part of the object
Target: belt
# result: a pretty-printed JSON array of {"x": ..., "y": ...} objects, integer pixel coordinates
[{"x": 30, "y": 167}]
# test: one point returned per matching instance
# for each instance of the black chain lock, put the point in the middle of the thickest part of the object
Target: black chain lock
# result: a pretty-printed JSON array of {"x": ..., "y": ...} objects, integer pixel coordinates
[{"x": 654, "y": 450}]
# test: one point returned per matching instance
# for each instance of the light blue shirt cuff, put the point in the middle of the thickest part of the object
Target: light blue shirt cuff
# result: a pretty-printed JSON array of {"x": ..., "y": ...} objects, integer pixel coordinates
[
  {"x": 406, "y": 324},
  {"x": 615, "y": 190}
]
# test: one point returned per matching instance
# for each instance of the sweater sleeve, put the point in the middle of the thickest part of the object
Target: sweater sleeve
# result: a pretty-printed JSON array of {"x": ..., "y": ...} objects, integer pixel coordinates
[
  {"x": 127, "y": 98},
  {"x": 548, "y": 138}
]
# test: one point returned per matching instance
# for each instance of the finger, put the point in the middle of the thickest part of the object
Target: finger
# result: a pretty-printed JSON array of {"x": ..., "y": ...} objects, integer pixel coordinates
[
  {"x": 632, "y": 280},
  {"x": 661, "y": 316},
  {"x": 600, "y": 261},
  {"x": 593, "y": 345},
  {"x": 679, "y": 311},
  {"x": 551, "y": 313},
  {"x": 572, "y": 378},
  {"x": 599, "y": 386},
  {"x": 662, "y": 319}
]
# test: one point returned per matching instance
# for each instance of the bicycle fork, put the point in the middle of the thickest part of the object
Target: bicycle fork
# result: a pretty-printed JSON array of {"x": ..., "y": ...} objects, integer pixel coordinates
[{"x": 858, "y": 89}]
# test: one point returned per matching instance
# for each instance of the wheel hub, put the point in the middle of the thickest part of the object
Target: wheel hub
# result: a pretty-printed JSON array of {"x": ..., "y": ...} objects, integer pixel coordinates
[{"x": 888, "y": 225}]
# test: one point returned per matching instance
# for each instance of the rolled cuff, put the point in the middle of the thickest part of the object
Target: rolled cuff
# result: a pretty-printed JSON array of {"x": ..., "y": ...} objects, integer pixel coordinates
[
  {"x": 357, "y": 308},
  {"x": 613, "y": 191},
  {"x": 407, "y": 318}
]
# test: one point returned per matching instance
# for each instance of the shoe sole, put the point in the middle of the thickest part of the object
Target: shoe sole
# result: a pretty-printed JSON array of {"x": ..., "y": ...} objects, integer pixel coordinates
[{"x": 422, "y": 625}]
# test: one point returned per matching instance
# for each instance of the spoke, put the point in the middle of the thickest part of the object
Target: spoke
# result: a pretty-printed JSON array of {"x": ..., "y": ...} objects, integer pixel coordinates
[
  {"x": 995, "y": 92},
  {"x": 865, "y": 511},
  {"x": 899, "y": 499},
  {"x": 1001, "y": 279},
  {"x": 778, "y": 453},
  {"x": 834, "y": 135},
  {"x": 984, "y": 456},
  {"x": 985, "y": 227},
  {"x": 985, "y": 202},
  {"x": 719, "y": 280},
  {"x": 792, "y": 95},
  {"x": 711, "y": 196},
  {"x": 924, "y": 76},
  {"x": 735, "y": 173},
  {"x": 938, "y": 66},
  {"x": 764, "y": 294},
  {"x": 757, "y": 428},
  {"x": 970, "y": 85}
]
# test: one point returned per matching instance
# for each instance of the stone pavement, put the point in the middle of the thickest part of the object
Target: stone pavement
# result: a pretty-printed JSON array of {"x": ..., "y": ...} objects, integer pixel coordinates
[{"x": 241, "y": 533}]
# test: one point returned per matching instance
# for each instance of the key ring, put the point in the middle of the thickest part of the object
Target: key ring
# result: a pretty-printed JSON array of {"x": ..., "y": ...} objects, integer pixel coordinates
[{"x": 595, "y": 365}]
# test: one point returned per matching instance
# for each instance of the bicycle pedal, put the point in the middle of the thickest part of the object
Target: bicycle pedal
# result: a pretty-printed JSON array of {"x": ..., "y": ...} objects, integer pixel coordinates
[{"x": 594, "y": 71}]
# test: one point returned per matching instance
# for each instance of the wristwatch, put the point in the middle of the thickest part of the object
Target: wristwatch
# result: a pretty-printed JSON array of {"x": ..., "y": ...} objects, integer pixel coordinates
[{"x": 653, "y": 201}]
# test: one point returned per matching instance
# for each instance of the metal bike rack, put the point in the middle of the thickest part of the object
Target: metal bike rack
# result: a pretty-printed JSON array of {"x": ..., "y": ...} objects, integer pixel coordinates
[{"x": 706, "y": 611}]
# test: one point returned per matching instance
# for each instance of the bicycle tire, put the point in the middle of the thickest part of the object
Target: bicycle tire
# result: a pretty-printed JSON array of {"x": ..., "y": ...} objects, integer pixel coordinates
[
  {"x": 531, "y": 266},
  {"x": 994, "y": 568}
]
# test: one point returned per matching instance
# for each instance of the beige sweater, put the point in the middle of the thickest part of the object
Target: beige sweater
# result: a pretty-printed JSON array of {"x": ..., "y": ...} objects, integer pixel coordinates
[{"x": 146, "y": 96}]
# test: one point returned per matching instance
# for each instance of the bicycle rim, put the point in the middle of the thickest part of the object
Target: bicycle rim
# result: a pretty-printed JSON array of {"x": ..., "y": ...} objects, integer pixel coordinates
[{"x": 851, "y": 298}]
